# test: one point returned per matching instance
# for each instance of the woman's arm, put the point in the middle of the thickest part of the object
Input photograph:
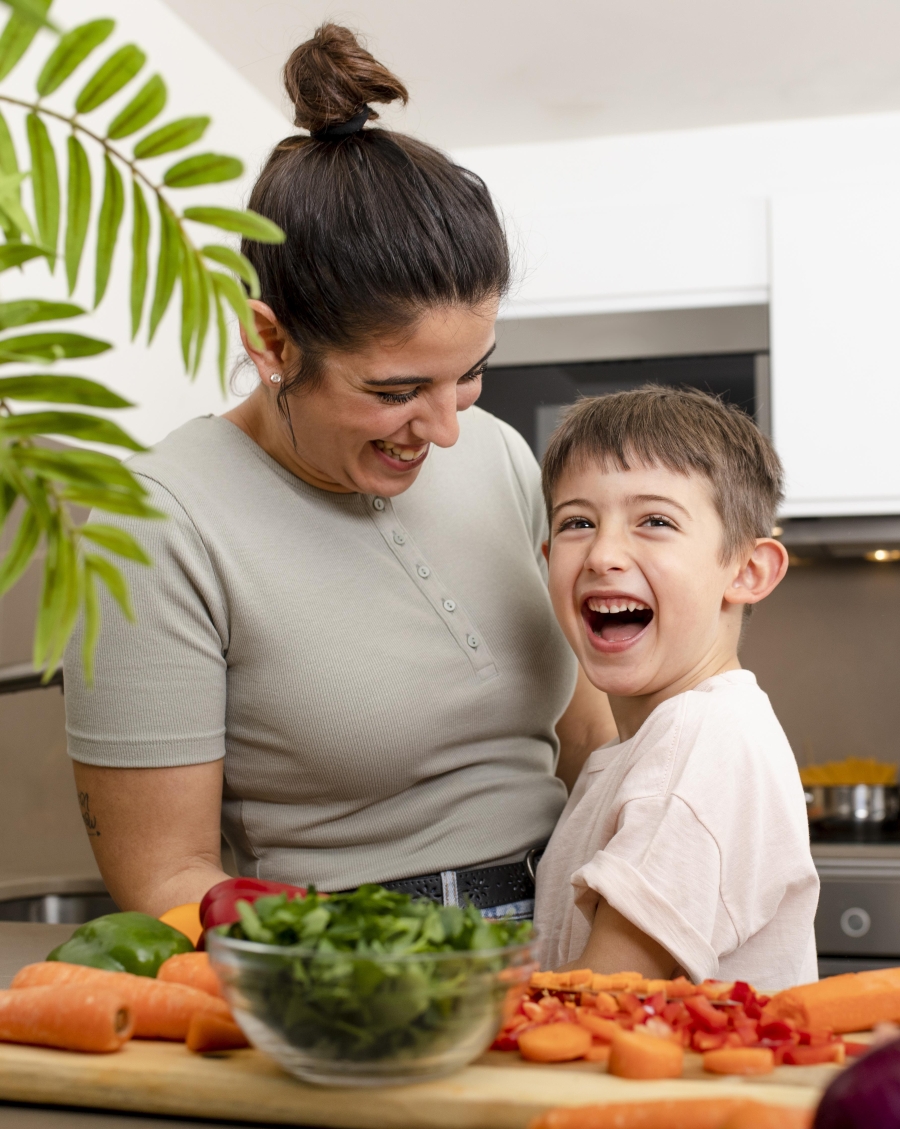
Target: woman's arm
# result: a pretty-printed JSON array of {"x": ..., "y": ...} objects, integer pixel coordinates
[
  {"x": 155, "y": 832},
  {"x": 616, "y": 945},
  {"x": 586, "y": 725}
]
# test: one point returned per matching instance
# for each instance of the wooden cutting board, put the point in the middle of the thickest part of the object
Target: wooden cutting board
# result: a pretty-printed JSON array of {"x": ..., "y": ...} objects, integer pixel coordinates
[{"x": 500, "y": 1091}]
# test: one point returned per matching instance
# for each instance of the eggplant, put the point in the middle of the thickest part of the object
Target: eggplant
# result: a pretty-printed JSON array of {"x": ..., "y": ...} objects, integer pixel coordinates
[{"x": 866, "y": 1095}]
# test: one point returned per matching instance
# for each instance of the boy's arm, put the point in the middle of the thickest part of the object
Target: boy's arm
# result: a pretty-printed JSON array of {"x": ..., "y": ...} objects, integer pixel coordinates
[
  {"x": 616, "y": 945},
  {"x": 586, "y": 725}
]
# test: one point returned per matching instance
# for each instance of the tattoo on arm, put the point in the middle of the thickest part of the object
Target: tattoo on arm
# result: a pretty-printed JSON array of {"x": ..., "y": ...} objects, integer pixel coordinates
[{"x": 89, "y": 819}]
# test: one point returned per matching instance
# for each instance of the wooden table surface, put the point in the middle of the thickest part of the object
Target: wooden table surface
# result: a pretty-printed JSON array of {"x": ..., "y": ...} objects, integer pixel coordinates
[{"x": 23, "y": 943}]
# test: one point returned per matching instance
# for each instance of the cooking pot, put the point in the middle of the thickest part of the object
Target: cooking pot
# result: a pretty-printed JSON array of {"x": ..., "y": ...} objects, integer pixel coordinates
[{"x": 853, "y": 803}]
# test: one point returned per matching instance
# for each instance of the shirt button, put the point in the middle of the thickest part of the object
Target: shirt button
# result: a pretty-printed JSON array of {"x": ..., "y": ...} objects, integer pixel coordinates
[
  {"x": 378, "y": 503},
  {"x": 424, "y": 571},
  {"x": 400, "y": 538},
  {"x": 449, "y": 605},
  {"x": 472, "y": 640}
]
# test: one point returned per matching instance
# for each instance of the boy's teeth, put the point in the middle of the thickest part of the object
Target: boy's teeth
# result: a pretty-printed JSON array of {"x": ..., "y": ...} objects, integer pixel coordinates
[
  {"x": 407, "y": 454},
  {"x": 612, "y": 607}
]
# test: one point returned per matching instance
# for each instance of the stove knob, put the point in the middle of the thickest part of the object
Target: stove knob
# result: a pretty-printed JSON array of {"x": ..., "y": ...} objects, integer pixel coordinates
[{"x": 855, "y": 922}]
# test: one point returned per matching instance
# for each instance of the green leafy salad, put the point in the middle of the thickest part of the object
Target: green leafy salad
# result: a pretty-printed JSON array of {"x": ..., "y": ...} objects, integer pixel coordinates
[{"x": 373, "y": 975}]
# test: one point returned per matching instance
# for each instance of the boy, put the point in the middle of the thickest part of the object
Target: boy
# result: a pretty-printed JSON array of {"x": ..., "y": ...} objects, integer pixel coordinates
[{"x": 684, "y": 846}]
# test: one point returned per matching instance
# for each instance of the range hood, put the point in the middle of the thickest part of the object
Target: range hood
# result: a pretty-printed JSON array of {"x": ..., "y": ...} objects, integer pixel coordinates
[{"x": 873, "y": 538}]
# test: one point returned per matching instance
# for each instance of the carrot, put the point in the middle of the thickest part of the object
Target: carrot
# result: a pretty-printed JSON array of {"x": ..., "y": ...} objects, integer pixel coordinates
[
  {"x": 600, "y": 1028},
  {"x": 70, "y": 1018},
  {"x": 192, "y": 969},
  {"x": 684, "y": 1113},
  {"x": 213, "y": 1033},
  {"x": 186, "y": 919},
  {"x": 555, "y": 1042},
  {"x": 739, "y": 1060},
  {"x": 161, "y": 1010},
  {"x": 754, "y": 1115},
  {"x": 855, "y": 1001},
  {"x": 599, "y": 1052},
  {"x": 635, "y": 1055}
]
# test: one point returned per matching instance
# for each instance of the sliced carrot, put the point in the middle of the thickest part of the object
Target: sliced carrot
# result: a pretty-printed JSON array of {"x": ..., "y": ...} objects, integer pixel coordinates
[
  {"x": 684, "y": 1113},
  {"x": 739, "y": 1060},
  {"x": 213, "y": 1033},
  {"x": 637, "y": 1055},
  {"x": 192, "y": 969},
  {"x": 599, "y": 1052},
  {"x": 555, "y": 1042},
  {"x": 600, "y": 1028},
  {"x": 161, "y": 1010},
  {"x": 186, "y": 919},
  {"x": 67, "y": 1017}
]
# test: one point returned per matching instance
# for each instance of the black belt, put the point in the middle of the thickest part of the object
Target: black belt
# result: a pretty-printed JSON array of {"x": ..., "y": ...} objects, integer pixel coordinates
[{"x": 482, "y": 887}]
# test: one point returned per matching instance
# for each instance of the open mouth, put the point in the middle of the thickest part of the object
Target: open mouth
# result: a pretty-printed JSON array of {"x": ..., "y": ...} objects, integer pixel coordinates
[
  {"x": 616, "y": 619},
  {"x": 401, "y": 458}
]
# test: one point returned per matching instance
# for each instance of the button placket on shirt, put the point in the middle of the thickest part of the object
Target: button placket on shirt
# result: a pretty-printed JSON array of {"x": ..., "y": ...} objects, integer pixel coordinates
[{"x": 427, "y": 581}]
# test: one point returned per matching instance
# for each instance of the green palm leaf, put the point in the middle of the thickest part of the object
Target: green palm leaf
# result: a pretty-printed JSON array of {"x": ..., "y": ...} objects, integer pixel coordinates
[
  {"x": 20, "y": 552},
  {"x": 15, "y": 254},
  {"x": 118, "y": 70},
  {"x": 110, "y": 217},
  {"x": 44, "y": 183},
  {"x": 205, "y": 168},
  {"x": 25, "y": 311},
  {"x": 38, "y": 347},
  {"x": 115, "y": 540},
  {"x": 140, "y": 241},
  {"x": 176, "y": 135},
  {"x": 78, "y": 208},
  {"x": 112, "y": 578},
  {"x": 249, "y": 224},
  {"x": 51, "y": 388},
  {"x": 168, "y": 265},
  {"x": 93, "y": 469},
  {"x": 149, "y": 101},
  {"x": 94, "y": 429},
  {"x": 190, "y": 302},
  {"x": 70, "y": 52},
  {"x": 236, "y": 262},
  {"x": 21, "y": 28}
]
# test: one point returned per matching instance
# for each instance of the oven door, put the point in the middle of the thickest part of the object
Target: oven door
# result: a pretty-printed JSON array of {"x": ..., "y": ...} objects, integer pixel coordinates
[{"x": 859, "y": 911}]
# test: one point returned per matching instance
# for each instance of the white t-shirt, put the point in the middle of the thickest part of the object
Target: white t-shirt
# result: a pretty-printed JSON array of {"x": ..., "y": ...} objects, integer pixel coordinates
[{"x": 694, "y": 829}]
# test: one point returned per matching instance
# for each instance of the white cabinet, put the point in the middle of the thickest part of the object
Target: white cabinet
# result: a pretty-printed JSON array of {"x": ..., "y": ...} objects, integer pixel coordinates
[{"x": 835, "y": 350}]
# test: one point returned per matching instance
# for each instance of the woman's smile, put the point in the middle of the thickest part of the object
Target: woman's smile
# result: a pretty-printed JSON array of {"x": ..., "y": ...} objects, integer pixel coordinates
[{"x": 400, "y": 457}]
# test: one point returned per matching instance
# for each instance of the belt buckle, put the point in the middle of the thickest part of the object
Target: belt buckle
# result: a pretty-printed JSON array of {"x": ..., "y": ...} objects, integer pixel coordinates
[{"x": 532, "y": 858}]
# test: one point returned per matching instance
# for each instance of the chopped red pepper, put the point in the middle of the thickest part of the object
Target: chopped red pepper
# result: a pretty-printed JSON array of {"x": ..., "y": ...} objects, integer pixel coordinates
[
  {"x": 707, "y": 1017},
  {"x": 808, "y": 1056},
  {"x": 778, "y": 1030},
  {"x": 742, "y": 993},
  {"x": 856, "y": 1049},
  {"x": 708, "y": 1041}
]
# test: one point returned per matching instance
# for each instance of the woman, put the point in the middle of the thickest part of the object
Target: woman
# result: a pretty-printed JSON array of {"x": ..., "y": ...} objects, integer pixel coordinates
[{"x": 345, "y": 655}]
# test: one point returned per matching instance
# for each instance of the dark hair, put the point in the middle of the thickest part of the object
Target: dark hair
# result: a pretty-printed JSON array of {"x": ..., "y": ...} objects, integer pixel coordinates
[
  {"x": 686, "y": 431},
  {"x": 380, "y": 227}
]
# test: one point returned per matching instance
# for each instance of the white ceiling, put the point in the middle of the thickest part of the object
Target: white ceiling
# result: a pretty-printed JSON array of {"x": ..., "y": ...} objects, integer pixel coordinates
[{"x": 485, "y": 72}]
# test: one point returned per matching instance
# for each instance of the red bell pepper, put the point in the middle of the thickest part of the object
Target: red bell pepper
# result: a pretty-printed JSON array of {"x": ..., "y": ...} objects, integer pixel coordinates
[
  {"x": 219, "y": 905},
  {"x": 703, "y": 1041}
]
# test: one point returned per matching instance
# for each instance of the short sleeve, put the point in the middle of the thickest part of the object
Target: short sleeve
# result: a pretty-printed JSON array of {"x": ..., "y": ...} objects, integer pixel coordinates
[
  {"x": 158, "y": 695},
  {"x": 528, "y": 475},
  {"x": 661, "y": 871}
]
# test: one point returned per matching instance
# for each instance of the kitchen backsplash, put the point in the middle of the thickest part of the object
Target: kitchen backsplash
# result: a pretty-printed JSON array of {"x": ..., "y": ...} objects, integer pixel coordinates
[{"x": 825, "y": 646}]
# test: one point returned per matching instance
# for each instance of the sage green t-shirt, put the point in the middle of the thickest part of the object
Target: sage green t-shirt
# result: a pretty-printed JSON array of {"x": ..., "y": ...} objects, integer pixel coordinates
[{"x": 382, "y": 676}]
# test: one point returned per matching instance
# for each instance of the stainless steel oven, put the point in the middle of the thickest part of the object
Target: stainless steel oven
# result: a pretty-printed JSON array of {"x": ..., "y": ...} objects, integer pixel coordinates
[{"x": 858, "y": 919}]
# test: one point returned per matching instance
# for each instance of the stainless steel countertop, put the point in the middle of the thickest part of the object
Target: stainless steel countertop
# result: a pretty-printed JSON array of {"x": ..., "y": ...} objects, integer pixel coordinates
[{"x": 24, "y": 943}]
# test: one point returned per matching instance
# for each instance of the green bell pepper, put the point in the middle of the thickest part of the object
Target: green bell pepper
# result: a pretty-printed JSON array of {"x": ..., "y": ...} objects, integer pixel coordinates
[{"x": 123, "y": 942}]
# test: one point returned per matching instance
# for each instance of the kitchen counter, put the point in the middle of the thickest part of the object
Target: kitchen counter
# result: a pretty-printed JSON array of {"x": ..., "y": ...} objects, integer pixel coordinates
[{"x": 23, "y": 943}]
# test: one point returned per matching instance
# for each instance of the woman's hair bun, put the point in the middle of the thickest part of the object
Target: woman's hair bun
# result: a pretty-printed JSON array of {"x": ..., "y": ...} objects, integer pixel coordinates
[{"x": 330, "y": 77}]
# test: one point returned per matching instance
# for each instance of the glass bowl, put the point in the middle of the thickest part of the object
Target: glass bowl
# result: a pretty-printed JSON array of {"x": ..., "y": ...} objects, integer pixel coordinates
[{"x": 343, "y": 1019}]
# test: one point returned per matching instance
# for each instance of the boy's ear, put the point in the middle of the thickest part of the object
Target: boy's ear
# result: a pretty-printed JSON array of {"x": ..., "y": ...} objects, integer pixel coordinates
[
  {"x": 759, "y": 573},
  {"x": 545, "y": 549}
]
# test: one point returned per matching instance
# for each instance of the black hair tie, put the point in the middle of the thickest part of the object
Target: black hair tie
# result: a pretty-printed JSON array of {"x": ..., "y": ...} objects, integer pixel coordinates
[{"x": 343, "y": 129}]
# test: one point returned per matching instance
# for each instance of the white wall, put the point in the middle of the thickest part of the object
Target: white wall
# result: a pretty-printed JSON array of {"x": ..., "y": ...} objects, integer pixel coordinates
[{"x": 245, "y": 124}]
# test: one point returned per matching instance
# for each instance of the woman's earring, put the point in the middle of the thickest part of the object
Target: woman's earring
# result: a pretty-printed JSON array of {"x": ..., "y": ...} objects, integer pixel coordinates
[{"x": 275, "y": 378}]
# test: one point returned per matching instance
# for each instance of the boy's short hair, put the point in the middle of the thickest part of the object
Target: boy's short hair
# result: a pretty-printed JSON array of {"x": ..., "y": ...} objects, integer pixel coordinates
[{"x": 684, "y": 430}]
